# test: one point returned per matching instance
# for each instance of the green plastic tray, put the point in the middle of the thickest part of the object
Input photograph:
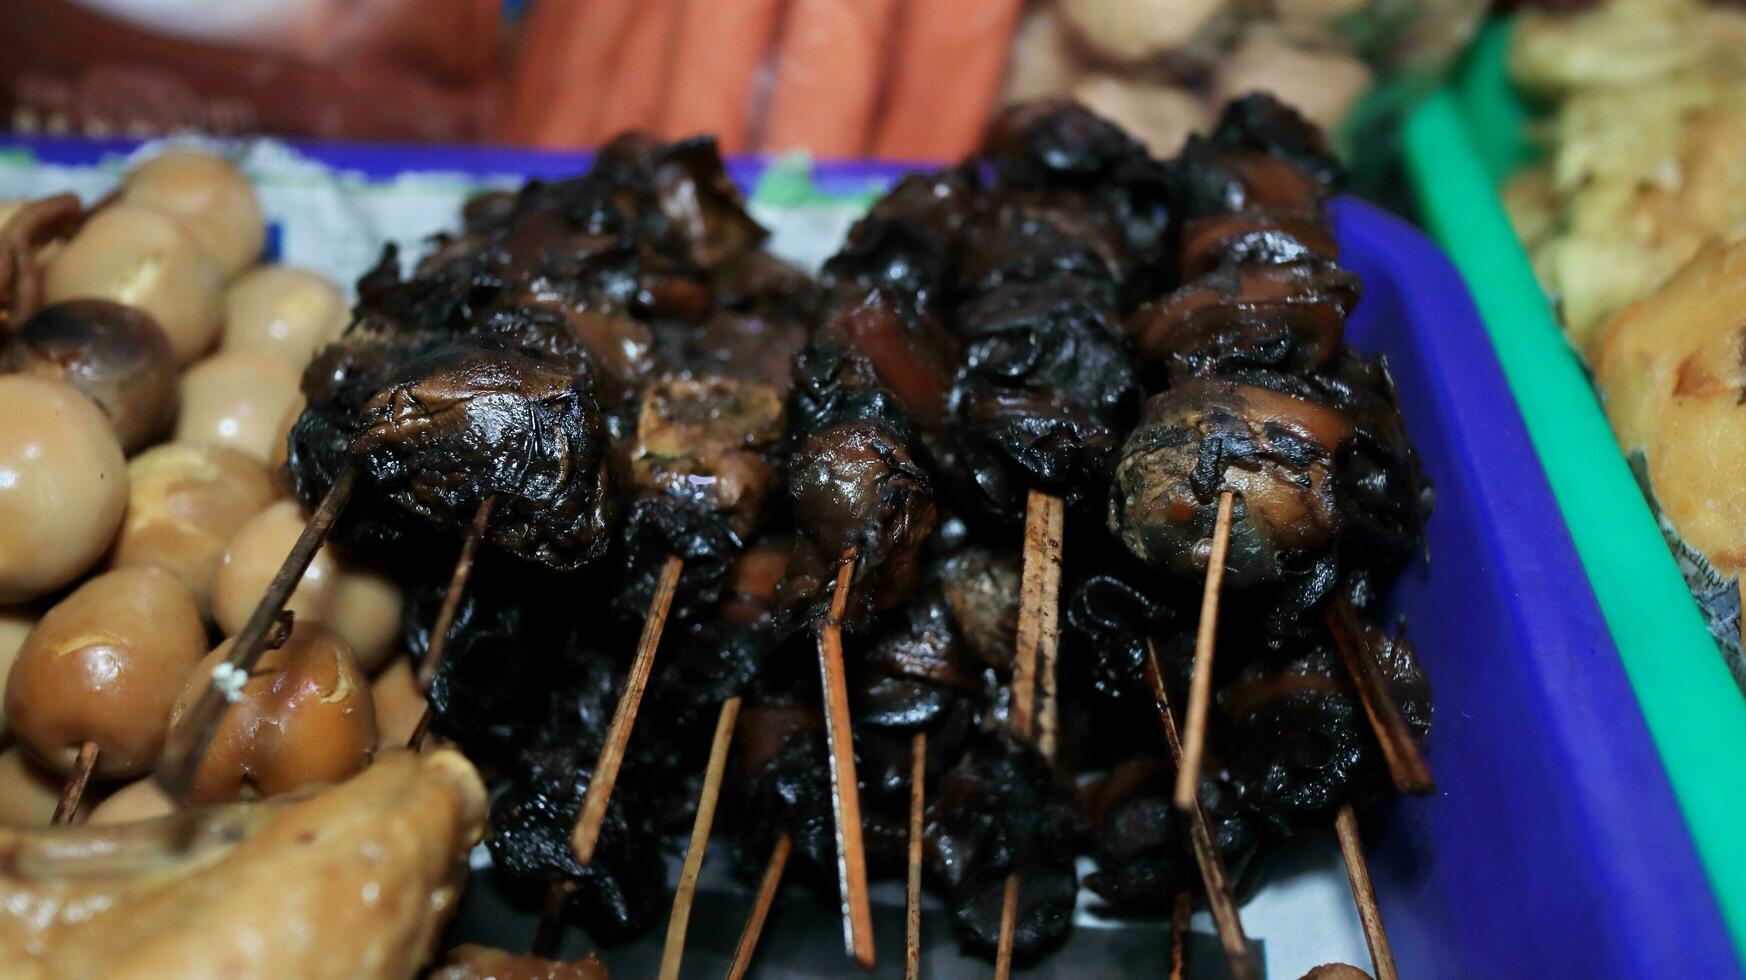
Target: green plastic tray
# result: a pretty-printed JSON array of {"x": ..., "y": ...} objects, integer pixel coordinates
[{"x": 1459, "y": 144}]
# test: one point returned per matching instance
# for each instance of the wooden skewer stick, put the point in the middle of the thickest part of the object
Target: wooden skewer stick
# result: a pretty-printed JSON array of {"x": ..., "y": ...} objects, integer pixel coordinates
[
  {"x": 918, "y": 772},
  {"x": 186, "y": 744},
  {"x": 1008, "y": 922},
  {"x": 1406, "y": 764},
  {"x": 1200, "y": 687},
  {"x": 1039, "y": 615},
  {"x": 760, "y": 908},
  {"x": 587, "y": 833},
  {"x": 1179, "y": 935},
  {"x": 445, "y": 620},
  {"x": 674, "y": 949},
  {"x": 1352, "y": 849},
  {"x": 1039, "y": 612},
  {"x": 550, "y": 931},
  {"x": 1213, "y": 874},
  {"x": 68, "y": 805},
  {"x": 845, "y": 789}
]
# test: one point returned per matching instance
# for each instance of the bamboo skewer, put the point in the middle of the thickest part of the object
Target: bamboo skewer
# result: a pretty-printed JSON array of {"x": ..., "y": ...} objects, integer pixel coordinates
[
  {"x": 1008, "y": 921},
  {"x": 1213, "y": 874},
  {"x": 845, "y": 790},
  {"x": 1039, "y": 613},
  {"x": 673, "y": 951},
  {"x": 1038, "y": 622},
  {"x": 1179, "y": 935},
  {"x": 1406, "y": 764},
  {"x": 587, "y": 834},
  {"x": 1358, "y": 870},
  {"x": 918, "y": 771},
  {"x": 1200, "y": 687},
  {"x": 748, "y": 944},
  {"x": 68, "y": 805},
  {"x": 445, "y": 620},
  {"x": 186, "y": 744},
  {"x": 550, "y": 931}
]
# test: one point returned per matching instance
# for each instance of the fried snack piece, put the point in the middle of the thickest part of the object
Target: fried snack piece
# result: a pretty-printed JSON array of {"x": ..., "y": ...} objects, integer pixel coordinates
[
  {"x": 353, "y": 881},
  {"x": 1671, "y": 369}
]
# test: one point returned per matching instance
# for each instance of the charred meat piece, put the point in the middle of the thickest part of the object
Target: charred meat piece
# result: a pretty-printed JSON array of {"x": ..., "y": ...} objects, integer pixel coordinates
[
  {"x": 1110, "y": 618},
  {"x": 474, "y": 419},
  {"x": 1384, "y": 493},
  {"x": 1288, "y": 317},
  {"x": 728, "y": 654},
  {"x": 907, "y": 245},
  {"x": 1275, "y": 451},
  {"x": 1261, "y": 123},
  {"x": 516, "y": 671},
  {"x": 1029, "y": 239},
  {"x": 701, "y": 462},
  {"x": 855, "y": 481},
  {"x": 855, "y": 487},
  {"x": 1086, "y": 167},
  {"x": 785, "y": 760},
  {"x": 1141, "y": 840},
  {"x": 705, "y": 442},
  {"x": 999, "y": 812},
  {"x": 1255, "y": 191},
  {"x": 981, "y": 587},
  {"x": 338, "y": 386},
  {"x": 616, "y": 897},
  {"x": 1295, "y": 736},
  {"x": 1044, "y": 391},
  {"x": 914, "y": 671}
]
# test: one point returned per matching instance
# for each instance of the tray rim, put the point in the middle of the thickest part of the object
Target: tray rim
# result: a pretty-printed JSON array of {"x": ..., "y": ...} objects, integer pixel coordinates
[{"x": 1458, "y": 142}]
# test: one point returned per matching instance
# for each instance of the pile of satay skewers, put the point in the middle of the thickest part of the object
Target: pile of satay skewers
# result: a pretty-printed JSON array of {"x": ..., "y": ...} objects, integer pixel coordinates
[{"x": 616, "y": 452}]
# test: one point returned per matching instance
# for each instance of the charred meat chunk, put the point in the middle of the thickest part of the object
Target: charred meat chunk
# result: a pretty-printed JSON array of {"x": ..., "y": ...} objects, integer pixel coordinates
[
  {"x": 859, "y": 495},
  {"x": 1111, "y": 619},
  {"x": 1384, "y": 493},
  {"x": 982, "y": 589},
  {"x": 475, "y": 419},
  {"x": 1255, "y": 191},
  {"x": 1045, "y": 390},
  {"x": 1276, "y": 452},
  {"x": 1141, "y": 841},
  {"x": 615, "y": 897},
  {"x": 855, "y": 482},
  {"x": 337, "y": 386},
  {"x": 1295, "y": 736},
  {"x": 913, "y": 672},
  {"x": 787, "y": 789},
  {"x": 996, "y": 813},
  {"x": 705, "y": 442},
  {"x": 907, "y": 244},
  {"x": 1288, "y": 317},
  {"x": 1087, "y": 167}
]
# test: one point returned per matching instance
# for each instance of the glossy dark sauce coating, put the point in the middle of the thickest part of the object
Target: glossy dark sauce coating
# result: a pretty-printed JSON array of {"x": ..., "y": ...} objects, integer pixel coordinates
[{"x": 474, "y": 419}]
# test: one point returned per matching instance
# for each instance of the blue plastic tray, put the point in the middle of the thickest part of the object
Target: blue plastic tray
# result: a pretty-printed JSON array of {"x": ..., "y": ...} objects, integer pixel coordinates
[{"x": 1553, "y": 847}]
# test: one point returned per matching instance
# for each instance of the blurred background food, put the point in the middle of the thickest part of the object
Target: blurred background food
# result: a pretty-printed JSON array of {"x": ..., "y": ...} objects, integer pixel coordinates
[
  {"x": 899, "y": 79},
  {"x": 1633, "y": 217}
]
